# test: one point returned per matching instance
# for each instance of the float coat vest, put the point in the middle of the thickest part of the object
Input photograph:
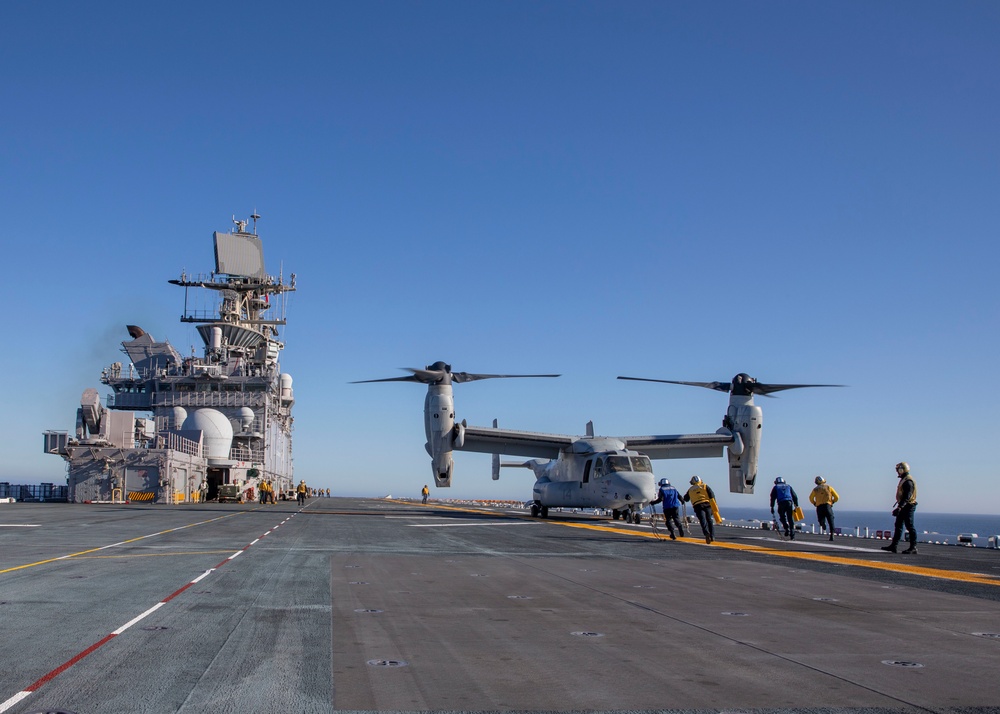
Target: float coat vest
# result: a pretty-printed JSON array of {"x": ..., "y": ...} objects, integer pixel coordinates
[
  {"x": 912, "y": 498},
  {"x": 698, "y": 493},
  {"x": 782, "y": 492},
  {"x": 823, "y": 495},
  {"x": 670, "y": 497}
]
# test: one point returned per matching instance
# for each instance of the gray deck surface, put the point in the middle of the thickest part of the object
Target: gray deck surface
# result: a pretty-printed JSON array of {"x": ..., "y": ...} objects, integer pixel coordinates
[{"x": 374, "y": 605}]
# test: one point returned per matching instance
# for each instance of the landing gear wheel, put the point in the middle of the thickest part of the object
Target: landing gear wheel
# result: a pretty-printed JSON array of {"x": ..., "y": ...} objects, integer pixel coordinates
[
  {"x": 534, "y": 510},
  {"x": 636, "y": 517},
  {"x": 615, "y": 514},
  {"x": 545, "y": 512}
]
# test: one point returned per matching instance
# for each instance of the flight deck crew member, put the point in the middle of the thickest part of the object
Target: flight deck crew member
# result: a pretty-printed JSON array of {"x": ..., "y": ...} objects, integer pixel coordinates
[
  {"x": 700, "y": 496},
  {"x": 425, "y": 492},
  {"x": 823, "y": 497},
  {"x": 670, "y": 497},
  {"x": 906, "y": 505},
  {"x": 300, "y": 492},
  {"x": 788, "y": 501}
]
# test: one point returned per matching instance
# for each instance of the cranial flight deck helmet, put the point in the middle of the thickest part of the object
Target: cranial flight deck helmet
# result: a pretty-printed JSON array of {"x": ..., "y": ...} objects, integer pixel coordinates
[
  {"x": 664, "y": 482},
  {"x": 779, "y": 480},
  {"x": 819, "y": 480},
  {"x": 902, "y": 468},
  {"x": 695, "y": 480}
]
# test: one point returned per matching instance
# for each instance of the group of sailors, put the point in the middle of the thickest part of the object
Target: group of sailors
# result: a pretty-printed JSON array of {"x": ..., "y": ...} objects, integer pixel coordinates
[
  {"x": 702, "y": 499},
  {"x": 302, "y": 491},
  {"x": 822, "y": 497}
]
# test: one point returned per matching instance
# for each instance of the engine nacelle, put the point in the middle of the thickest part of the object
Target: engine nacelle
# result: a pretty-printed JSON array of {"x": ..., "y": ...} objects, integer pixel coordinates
[
  {"x": 745, "y": 419},
  {"x": 443, "y": 469},
  {"x": 439, "y": 424}
]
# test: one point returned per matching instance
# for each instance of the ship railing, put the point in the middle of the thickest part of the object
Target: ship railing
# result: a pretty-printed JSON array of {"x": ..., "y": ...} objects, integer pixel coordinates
[
  {"x": 117, "y": 372},
  {"x": 255, "y": 428},
  {"x": 242, "y": 453},
  {"x": 201, "y": 316},
  {"x": 176, "y": 442},
  {"x": 211, "y": 399}
]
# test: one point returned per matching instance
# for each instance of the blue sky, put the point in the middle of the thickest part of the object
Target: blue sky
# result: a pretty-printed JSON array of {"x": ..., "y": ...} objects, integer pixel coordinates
[{"x": 806, "y": 192}]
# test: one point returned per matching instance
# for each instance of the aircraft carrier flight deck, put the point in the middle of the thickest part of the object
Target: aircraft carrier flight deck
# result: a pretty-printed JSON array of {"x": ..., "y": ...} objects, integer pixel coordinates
[{"x": 382, "y": 605}]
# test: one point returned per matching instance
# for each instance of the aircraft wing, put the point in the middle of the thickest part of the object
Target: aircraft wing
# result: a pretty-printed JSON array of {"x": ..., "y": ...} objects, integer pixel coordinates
[
  {"x": 486, "y": 440},
  {"x": 680, "y": 446}
]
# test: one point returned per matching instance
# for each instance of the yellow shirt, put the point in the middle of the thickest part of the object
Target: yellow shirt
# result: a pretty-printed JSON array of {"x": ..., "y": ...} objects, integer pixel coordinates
[
  {"x": 698, "y": 493},
  {"x": 823, "y": 495}
]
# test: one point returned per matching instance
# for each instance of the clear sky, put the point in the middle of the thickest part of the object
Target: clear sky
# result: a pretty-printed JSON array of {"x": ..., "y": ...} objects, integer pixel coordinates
[{"x": 806, "y": 192}]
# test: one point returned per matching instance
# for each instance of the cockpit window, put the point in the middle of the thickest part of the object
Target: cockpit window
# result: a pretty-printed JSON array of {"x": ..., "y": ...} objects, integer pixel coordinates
[
  {"x": 599, "y": 468},
  {"x": 641, "y": 464},
  {"x": 627, "y": 463},
  {"x": 618, "y": 463}
]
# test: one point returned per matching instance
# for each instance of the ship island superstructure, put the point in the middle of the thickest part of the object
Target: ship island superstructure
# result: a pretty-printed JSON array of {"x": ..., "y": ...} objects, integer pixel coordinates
[{"x": 177, "y": 429}]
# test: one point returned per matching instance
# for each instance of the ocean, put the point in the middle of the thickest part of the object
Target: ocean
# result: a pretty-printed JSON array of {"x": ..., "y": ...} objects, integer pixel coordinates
[{"x": 939, "y": 527}]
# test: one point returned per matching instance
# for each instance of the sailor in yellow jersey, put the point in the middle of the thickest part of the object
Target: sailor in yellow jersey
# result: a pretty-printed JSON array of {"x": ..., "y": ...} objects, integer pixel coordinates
[
  {"x": 823, "y": 497},
  {"x": 700, "y": 496}
]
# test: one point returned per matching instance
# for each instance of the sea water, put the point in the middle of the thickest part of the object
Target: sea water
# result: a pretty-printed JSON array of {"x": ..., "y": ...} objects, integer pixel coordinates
[{"x": 931, "y": 527}]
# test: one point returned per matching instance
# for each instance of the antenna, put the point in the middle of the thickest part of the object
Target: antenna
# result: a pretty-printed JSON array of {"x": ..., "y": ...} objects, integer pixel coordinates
[{"x": 254, "y": 216}]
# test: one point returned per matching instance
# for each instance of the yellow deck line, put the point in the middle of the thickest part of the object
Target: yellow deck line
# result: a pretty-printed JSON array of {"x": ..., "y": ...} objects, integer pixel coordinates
[
  {"x": 155, "y": 555},
  {"x": 956, "y": 575},
  {"x": 124, "y": 542}
]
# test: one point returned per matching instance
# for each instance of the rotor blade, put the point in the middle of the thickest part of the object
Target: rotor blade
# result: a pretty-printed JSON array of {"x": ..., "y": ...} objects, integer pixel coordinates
[
  {"x": 460, "y": 377},
  {"x": 423, "y": 376},
  {"x": 411, "y": 378},
  {"x": 717, "y": 386},
  {"x": 435, "y": 376},
  {"x": 747, "y": 386},
  {"x": 767, "y": 389}
]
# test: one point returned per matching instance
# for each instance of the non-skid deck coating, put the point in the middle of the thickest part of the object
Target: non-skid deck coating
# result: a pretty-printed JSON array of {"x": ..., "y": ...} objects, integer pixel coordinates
[{"x": 373, "y": 605}]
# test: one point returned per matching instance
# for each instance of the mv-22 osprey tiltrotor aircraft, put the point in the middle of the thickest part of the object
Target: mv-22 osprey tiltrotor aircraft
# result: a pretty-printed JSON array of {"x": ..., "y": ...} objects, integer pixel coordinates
[{"x": 609, "y": 472}]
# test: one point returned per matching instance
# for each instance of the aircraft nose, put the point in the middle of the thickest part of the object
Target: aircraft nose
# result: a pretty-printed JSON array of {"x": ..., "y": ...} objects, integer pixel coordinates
[{"x": 640, "y": 486}]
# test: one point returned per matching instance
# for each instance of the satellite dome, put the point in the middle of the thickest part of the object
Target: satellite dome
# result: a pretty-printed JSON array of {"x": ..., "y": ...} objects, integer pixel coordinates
[
  {"x": 246, "y": 416},
  {"x": 217, "y": 431}
]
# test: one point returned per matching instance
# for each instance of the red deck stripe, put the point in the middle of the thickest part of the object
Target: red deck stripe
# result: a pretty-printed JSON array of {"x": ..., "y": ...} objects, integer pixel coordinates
[{"x": 69, "y": 663}]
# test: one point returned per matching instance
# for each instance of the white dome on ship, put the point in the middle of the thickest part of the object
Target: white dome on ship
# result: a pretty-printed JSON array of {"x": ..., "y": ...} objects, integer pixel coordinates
[
  {"x": 246, "y": 416},
  {"x": 217, "y": 431}
]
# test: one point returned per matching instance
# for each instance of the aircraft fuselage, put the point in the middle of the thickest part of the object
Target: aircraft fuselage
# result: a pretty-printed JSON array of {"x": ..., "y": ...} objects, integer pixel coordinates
[{"x": 618, "y": 480}]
